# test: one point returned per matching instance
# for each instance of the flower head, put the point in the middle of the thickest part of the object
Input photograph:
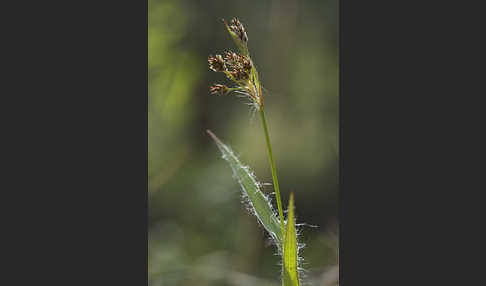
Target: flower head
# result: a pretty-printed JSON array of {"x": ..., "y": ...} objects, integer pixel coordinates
[
  {"x": 239, "y": 30},
  {"x": 240, "y": 75},
  {"x": 238, "y": 33},
  {"x": 217, "y": 63},
  {"x": 237, "y": 61},
  {"x": 238, "y": 67},
  {"x": 218, "y": 89}
]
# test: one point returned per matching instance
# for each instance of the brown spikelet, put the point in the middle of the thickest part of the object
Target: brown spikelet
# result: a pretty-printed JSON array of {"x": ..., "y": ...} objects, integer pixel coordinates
[
  {"x": 246, "y": 64},
  {"x": 240, "y": 74},
  {"x": 239, "y": 30},
  {"x": 231, "y": 58},
  {"x": 218, "y": 89},
  {"x": 217, "y": 63},
  {"x": 237, "y": 61}
]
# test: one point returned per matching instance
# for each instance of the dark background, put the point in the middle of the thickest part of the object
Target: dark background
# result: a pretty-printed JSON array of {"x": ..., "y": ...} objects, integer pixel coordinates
[
  {"x": 74, "y": 135},
  {"x": 198, "y": 229}
]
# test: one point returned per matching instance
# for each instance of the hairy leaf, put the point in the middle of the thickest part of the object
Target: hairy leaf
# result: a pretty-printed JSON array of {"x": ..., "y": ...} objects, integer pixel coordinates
[
  {"x": 290, "y": 267},
  {"x": 259, "y": 203}
]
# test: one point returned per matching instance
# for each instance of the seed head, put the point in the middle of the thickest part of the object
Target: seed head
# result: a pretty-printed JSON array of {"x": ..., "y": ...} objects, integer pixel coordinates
[
  {"x": 218, "y": 89},
  {"x": 240, "y": 74},
  {"x": 217, "y": 63},
  {"x": 238, "y": 67},
  {"x": 237, "y": 61},
  {"x": 246, "y": 64},
  {"x": 239, "y": 30},
  {"x": 231, "y": 58}
]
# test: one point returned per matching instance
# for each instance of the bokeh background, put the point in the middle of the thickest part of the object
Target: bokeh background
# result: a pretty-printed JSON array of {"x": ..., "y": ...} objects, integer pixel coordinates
[{"x": 199, "y": 232}]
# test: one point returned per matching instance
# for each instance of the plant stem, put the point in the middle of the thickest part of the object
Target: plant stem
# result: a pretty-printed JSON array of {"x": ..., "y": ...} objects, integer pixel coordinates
[{"x": 274, "y": 171}]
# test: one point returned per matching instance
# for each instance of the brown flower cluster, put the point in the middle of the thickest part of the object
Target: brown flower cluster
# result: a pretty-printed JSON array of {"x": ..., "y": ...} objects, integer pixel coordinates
[
  {"x": 241, "y": 65},
  {"x": 239, "y": 30},
  {"x": 219, "y": 89},
  {"x": 238, "y": 67},
  {"x": 237, "y": 61},
  {"x": 217, "y": 63}
]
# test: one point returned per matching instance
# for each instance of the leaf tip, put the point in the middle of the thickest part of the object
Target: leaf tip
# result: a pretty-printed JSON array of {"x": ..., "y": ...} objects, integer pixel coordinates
[{"x": 216, "y": 139}]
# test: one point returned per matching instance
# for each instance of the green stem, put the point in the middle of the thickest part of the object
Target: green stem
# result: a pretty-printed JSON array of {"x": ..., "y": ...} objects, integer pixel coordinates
[{"x": 274, "y": 171}]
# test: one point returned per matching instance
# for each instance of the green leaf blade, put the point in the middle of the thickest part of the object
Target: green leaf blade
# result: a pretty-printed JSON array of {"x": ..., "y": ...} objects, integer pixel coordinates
[
  {"x": 290, "y": 250},
  {"x": 259, "y": 203}
]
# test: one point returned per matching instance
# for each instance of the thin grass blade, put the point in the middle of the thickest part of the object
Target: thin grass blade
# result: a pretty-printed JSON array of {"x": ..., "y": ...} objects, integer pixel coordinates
[
  {"x": 259, "y": 203},
  {"x": 290, "y": 251}
]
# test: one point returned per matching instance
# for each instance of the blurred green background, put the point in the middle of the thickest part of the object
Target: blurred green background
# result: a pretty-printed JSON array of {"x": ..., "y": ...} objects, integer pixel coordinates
[{"x": 199, "y": 232}]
